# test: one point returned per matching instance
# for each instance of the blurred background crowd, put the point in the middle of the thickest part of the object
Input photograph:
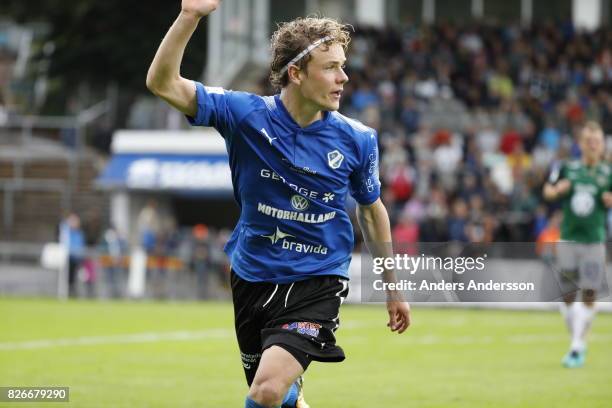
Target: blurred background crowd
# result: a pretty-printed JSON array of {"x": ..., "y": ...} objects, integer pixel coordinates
[{"x": 470, "y": 117}]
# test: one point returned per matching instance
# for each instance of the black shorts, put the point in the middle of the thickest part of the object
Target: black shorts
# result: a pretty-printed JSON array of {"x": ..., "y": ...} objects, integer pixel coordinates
[{"x": 300, "y": 317}]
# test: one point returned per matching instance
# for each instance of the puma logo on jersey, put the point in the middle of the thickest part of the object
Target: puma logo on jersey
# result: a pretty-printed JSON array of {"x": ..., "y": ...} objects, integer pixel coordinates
[{"x": 265, "y": 133}]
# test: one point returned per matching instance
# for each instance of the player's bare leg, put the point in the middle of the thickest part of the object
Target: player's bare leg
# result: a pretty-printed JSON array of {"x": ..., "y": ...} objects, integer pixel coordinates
[{"x": 277, "y": 372}]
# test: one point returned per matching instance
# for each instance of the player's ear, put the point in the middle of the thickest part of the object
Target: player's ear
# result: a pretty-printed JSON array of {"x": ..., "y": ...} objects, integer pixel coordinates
[{"x": 294, "y": 74}]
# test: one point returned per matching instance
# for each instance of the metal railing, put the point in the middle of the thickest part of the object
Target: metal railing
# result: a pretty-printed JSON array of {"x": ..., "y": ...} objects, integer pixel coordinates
[
  {"x": 27, "y": 125},
  {"x": 11, "y": 186}
]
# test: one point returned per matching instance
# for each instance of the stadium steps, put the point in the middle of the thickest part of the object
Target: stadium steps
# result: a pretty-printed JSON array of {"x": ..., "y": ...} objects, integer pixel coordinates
[
  {"x": 249, "y": 78},
  {"x": 48, "y": 188},
  {"x": 35, "y": 216}
]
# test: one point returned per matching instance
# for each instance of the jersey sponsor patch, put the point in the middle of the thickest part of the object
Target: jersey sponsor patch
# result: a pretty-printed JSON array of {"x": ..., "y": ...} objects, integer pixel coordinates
[
  {"x": 277, "y": 235},
  {"x": 299, "y": 203},
  {"x": 295, "y": 246},
  {"x": 308, "y": 218},
  {"x": 327, "y": 197},
  {"x": 269, "y": 174}
]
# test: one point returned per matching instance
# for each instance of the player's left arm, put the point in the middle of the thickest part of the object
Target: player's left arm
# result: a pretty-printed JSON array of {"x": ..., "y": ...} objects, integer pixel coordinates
[{"x": 376, "y": 228}]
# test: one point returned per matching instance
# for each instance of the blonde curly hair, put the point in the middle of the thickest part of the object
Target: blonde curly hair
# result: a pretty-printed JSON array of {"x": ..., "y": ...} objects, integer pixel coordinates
[{"x": 293, "y": 37}]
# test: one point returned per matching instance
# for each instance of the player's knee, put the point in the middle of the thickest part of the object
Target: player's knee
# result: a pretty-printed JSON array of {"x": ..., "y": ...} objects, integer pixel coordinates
[
  {"x": 588, "y": 297},
  {"x": 268, "y": 393},
  {"x": 569, "y": 297}
]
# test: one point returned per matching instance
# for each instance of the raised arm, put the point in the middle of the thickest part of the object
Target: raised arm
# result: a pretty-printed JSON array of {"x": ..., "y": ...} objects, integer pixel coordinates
[
  {"x": 164, "y": 78},
  {"x": 374, "y": 222}
]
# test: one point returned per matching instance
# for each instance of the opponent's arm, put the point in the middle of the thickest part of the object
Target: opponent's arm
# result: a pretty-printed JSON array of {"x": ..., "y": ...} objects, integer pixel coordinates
[
  {"x": 374, "y": 222},
  {"x": 164, "y": 78}
]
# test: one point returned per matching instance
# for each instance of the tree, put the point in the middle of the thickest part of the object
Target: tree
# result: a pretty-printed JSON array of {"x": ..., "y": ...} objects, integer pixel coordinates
[{"x": 109, "y": 41}]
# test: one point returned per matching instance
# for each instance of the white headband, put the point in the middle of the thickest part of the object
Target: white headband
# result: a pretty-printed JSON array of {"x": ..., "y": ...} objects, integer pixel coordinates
[{"x": 303, "y": 53}]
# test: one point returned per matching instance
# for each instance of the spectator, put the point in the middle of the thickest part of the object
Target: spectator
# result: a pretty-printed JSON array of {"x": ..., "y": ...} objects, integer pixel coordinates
[
  {"x": 149, "y": 226},
  {"x": 548, "y": 237},
  {"x": 406, "y": 235},
  {"x": 201, "y": 258},
  {"x": 73, "y": 239},
  {"x": 113, "y": 246},
  {"x": 457, "y": 223}
]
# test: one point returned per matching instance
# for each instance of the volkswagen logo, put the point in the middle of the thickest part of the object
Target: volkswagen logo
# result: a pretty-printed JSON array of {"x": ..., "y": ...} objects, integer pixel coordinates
[{"x": 299, "y": 203}]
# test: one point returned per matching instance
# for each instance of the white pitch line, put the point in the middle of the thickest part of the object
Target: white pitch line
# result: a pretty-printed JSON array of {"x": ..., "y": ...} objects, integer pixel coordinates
[
  {"x": 218, "y": 333},
  {"x": 118, "y": 339},
  {"x": 129, "y": 338}
]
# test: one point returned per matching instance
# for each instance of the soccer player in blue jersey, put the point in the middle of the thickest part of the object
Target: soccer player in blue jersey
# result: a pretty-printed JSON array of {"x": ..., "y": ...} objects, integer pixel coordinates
[{"x": 293, "y": 160}]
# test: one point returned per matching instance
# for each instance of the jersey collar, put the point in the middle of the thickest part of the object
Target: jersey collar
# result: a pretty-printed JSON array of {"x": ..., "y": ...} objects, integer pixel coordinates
[{"x": 285, "y": 116}]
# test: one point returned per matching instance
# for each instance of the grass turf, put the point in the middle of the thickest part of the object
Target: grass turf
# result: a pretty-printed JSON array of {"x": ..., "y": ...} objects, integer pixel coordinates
[{"x": 122, "y": 354}]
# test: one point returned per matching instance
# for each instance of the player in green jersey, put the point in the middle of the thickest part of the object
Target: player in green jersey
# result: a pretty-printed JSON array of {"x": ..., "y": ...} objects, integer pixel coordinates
[{"x": 584, "y": 187}]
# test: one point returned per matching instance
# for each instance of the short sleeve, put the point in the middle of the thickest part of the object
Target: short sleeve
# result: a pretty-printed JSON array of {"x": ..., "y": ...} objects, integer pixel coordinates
[
  {"x": 216, "y": 108},
  {"x": 557, "y": 172},
  {"x": 365, "y": 183}
]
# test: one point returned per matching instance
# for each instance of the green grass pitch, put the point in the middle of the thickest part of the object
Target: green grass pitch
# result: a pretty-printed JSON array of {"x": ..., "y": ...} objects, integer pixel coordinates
[{"x": 145, "y": 354}]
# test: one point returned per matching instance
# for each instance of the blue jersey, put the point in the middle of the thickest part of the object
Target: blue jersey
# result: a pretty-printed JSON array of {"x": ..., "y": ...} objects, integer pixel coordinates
[{"x": 291, "y": 184}]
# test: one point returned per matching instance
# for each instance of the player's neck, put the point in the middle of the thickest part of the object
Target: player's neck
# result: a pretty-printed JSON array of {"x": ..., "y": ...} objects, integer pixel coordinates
[
  {"x": 590, "y": 162},
  {"x": 302, "y": 111}
]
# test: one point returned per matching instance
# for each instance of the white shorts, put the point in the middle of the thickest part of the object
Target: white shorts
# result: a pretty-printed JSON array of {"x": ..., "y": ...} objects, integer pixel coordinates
[{"x": 582, "y": 266}]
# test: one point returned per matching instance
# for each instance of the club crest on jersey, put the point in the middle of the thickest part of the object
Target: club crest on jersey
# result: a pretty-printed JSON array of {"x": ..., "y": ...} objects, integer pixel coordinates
[
  {"x": 582, "y": 203},
  {"x": 299, "y": 203},
  {"x": 334, "y": 159},
  {"x": 307, "y": 328}
]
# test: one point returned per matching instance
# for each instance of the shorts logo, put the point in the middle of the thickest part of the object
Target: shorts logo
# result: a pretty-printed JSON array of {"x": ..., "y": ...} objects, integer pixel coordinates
[
  {"x": 299, "y": 203},
  {"x": 307, "y": 328},
  {"x": 334, "y": 159},
  {"x": 249, "y": 359}
]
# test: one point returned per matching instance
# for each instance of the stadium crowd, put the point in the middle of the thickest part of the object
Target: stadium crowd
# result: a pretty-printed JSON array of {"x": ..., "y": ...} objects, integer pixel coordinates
[{"x": 471, "y": 117}]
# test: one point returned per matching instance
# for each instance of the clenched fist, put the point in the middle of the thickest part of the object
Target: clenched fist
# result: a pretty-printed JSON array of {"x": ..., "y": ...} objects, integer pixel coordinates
[{"x": 199, "y": 8}]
